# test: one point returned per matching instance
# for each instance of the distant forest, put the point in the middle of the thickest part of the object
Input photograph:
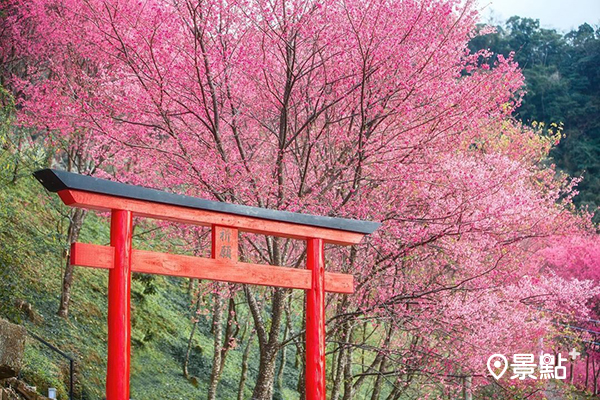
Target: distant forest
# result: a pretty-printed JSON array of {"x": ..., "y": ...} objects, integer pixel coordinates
[{"x": 562, "y": 73}]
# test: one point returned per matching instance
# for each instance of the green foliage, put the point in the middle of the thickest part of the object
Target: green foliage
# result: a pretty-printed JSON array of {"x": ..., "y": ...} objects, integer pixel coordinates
[
  {"x": 7, "y": 289},
  {"x": 562, "y": 75}
]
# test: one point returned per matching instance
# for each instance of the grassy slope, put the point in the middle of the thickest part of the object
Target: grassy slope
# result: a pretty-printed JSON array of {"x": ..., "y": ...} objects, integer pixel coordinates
[{"x": 32, "y": 236}]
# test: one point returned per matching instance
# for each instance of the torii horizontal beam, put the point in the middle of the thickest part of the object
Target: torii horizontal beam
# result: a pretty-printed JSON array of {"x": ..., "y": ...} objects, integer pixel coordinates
[
  {"x": 216, "y": 269},
  {"x": 139, "y": 208},
  {"x": 99, "y": 194}
]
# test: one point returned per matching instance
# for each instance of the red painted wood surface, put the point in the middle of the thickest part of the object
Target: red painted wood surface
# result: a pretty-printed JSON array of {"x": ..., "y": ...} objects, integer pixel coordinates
[
  {"x": 119, "y": 311},
  {"x": 315, "y": 322},
  {"x": 95, "y": 256},
  {"x": 140, "y": 208},
  {"x": 91, "y": 255},
  {"x": 224, "y": 243}
]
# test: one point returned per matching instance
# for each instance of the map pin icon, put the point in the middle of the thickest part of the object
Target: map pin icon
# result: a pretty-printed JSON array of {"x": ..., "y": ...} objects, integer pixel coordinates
[{"x": 499, "y": 361}]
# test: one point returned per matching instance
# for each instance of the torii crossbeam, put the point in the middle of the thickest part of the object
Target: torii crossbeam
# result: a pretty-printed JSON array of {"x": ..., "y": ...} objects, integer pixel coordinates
[{"x": 226, "y": 220}]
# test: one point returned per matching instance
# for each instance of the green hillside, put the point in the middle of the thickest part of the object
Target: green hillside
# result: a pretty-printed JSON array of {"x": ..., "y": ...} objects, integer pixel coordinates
[
  {"x": 32, "y": 233},
  {"x": 562, "y": 86}
]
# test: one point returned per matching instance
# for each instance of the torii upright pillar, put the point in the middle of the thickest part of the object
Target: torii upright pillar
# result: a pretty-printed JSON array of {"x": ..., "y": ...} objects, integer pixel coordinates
[
  {"x": 315, "y": 321},
  {"x": 226, "y": 220},
  {"x": 119, "y": 308}
]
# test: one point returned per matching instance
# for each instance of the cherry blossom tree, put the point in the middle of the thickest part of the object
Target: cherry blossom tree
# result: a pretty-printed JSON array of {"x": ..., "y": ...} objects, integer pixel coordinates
[
  {"x": 579, "y": 256},
  {"x": 359, "y": 109}
]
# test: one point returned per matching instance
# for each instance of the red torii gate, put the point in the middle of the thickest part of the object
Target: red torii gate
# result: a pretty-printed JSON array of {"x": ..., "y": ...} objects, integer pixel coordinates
[{"x": 125, "y": 201}]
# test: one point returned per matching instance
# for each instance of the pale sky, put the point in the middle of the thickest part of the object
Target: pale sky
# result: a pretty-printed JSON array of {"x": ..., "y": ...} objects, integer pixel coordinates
[{"x": 562, "y": 15}]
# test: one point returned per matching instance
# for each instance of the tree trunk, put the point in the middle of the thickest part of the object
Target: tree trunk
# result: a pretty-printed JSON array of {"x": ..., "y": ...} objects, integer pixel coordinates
[
  {"x": 348, "y": 377},
  {"x": 467, "y": 384},
  {"x": 266, "y": 374},
  {"x": 244, "y": 372},
  {"x": 75, "y": 224},
  {"x": 377, "y": 366},
  {"x": 341, "y": 362},
  {"x": 373, "y": 367},
  {"x": 571, "y": 372},
  {"x": 378, "y": 380},
  {"x": 301, "y": 386},
  {"x": 344, "y": 340},
  {"x": 301, "y": 354},
  {"x": 587, "y": 369},
  {"x": 268, "y": 344},
  {"x": 395, "y": 393},
  {"x": 338, "y": 374},
  {"x": 594, "y": 378},
  {"x": 192, "y": 287},
  {"x": 186, "y": 360},
  {"x": 231, "y": 332},
  {"x": 17, "y": 160},
  {"x": 282, "y": 359},
  {"x": 217, "y": 330}
]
